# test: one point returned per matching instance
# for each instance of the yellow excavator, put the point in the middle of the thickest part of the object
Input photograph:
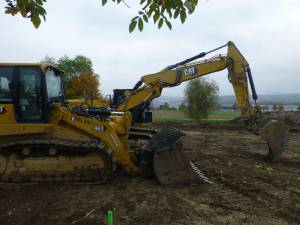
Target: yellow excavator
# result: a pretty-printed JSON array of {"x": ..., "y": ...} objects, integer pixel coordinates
[
  {"x": 150, "y": 86},
  {"x": 43, "y": 139},
  {"x": 138, "y": 99}
]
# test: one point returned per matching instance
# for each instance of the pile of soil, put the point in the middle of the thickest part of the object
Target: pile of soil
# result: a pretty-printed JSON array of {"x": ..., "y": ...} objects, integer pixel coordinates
[{"x": 291, "y": 119}]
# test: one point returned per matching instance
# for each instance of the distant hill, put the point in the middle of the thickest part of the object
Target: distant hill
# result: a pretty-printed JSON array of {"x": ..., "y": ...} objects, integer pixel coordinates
[
  {"x": 230, "y": 99},
  {"x": 266, "y": 99}
]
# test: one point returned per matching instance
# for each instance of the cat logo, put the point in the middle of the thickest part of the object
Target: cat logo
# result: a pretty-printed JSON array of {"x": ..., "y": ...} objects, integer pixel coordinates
[{"x": 190, "y": 71}]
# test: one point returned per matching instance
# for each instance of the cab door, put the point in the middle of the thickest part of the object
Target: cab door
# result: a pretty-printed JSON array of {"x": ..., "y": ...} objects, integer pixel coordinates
[
  {"x": 7, "y": 110},
  {"x": 30, "y": 95}
]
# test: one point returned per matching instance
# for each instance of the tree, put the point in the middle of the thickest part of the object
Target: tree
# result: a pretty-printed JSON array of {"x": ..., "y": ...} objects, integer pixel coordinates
[
  {"x": 79, "y": 78},
  {"x": 274, "y": 106},
  {"x": 165, "y": 106},
  {"x": 201, "y": 97},
  {"x": 73, "y": 67},
  {"x": 85, "y": 85},
  {"x": 277, "y": 106},
  {"x": 161, "y": 11},
  {"x": 49, "y": 60},
  {"x": 182, "y": 107},
  {"x": 280, "y": 107}
]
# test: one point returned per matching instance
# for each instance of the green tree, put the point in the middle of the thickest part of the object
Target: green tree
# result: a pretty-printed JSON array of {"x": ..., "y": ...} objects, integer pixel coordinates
[
  {"x": 182, "y": 107},
  {"x": 165, "y": 106},
  {"x": 73, "y": 67},
  {"x": 161, "y": 11},
  {"x": 49, "y": 60},
  {"x": 201, "y": 97},
  {"x": 79, "y": 77}
]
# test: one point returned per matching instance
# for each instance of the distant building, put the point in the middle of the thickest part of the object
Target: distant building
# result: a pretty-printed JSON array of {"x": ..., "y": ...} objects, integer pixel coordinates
[
  {"x": 226, "y": 107},
  {"x": 286, "y": 108},
  {"x": 264, "y": 108}
]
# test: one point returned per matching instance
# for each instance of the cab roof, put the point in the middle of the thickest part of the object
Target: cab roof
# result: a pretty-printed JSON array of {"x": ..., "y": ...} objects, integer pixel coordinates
[{"x": 43, "y": 66}]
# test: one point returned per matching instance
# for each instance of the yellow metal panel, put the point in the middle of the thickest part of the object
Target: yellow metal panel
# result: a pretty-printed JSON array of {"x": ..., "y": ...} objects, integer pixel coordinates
[
  {"x": 25, "y": 128},
  {"x": 114, "y": 133},
  {"x": 95, "y": 102},
  {"x": 8, "y": 115},
  {"x": 202, "y": 68},
  {"x": 139, "y": 96},
  {"x": 238, "y": 79},
  {"x": 43, "y": 66}
]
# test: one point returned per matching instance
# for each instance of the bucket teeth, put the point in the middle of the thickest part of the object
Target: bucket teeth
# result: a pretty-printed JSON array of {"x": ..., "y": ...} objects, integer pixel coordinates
[
  {"x": 170, "y": 163},
  {"x": 199, "y": 173}
]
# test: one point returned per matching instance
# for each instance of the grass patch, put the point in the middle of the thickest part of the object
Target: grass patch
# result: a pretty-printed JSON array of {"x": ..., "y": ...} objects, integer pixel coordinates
[
  {"x": 265, "y": 168},
  {"x": 175, "y": 117}
]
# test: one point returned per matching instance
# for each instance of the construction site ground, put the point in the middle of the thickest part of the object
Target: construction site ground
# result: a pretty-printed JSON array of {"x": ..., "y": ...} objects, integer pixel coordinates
[{"x": 245, "y": 189}]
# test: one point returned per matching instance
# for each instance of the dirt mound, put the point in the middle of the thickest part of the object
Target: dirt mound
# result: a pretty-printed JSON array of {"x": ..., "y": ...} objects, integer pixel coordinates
[{"x": 292, "y": 119}]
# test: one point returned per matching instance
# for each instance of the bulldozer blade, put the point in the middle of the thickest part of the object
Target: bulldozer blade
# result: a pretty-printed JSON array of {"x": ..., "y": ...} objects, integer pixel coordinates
[
  {"x": 170, "y": 163},
  {"x": 276, "y": 134}
]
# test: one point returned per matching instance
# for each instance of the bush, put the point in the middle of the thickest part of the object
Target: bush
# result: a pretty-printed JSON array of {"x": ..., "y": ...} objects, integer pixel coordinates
[{"x": 201, "y": 97}]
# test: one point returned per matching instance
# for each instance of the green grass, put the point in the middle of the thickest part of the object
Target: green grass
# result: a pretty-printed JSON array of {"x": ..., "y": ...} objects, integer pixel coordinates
[{"x": 175, "y": 117}]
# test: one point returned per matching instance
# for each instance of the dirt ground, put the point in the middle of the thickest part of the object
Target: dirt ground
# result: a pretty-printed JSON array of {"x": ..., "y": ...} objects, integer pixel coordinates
[{"x": 245, "y": 189}]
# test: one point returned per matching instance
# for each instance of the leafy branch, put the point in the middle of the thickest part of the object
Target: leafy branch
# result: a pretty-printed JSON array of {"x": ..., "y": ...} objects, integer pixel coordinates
[
  {"x": 32, "y": 9},
  {"x": 161, "y": 11}
]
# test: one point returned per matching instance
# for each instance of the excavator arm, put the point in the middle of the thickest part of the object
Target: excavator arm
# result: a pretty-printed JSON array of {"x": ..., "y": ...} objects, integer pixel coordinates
[{"x": 150, "y": 86}]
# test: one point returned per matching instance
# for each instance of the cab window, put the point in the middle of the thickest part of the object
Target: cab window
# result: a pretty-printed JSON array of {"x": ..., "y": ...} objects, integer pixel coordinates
[
  {"x": 54, "y": 87},
  {"x": 30, "y": 95},
  {"x": 6, "y": 78}
]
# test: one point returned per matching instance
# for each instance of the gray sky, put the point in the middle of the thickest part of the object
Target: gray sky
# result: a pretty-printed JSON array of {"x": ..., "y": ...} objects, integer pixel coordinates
[{"x": 267, "y": 32}]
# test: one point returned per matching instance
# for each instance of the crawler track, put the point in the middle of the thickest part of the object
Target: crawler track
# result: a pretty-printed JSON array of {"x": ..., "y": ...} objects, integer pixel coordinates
[{"x": 42, "y": 158}]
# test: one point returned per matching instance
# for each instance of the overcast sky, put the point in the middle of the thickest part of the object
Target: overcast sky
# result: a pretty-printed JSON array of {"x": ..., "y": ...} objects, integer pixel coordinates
[{"x": 267, "y": 33}]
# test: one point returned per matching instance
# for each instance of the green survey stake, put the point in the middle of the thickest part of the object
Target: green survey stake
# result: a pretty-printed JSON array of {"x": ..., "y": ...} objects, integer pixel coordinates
[{"x": 109, "y": 217}]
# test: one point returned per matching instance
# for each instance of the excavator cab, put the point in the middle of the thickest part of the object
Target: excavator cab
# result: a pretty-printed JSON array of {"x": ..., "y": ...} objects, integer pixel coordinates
[{"x": 27, "y": 93}]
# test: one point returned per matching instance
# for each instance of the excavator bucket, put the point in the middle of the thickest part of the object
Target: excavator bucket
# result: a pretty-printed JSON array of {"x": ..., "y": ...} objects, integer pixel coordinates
[
  {"x": 276, "y": 134},
  {"x": 171, "y": 166}
]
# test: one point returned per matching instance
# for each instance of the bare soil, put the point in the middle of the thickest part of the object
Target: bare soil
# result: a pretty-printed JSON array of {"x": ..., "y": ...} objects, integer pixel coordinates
[{"x": 245, "y": 189}]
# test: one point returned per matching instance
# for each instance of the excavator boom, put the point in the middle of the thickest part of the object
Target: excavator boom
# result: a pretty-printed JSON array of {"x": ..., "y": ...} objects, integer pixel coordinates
[{"x": 150, "y": 87}]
